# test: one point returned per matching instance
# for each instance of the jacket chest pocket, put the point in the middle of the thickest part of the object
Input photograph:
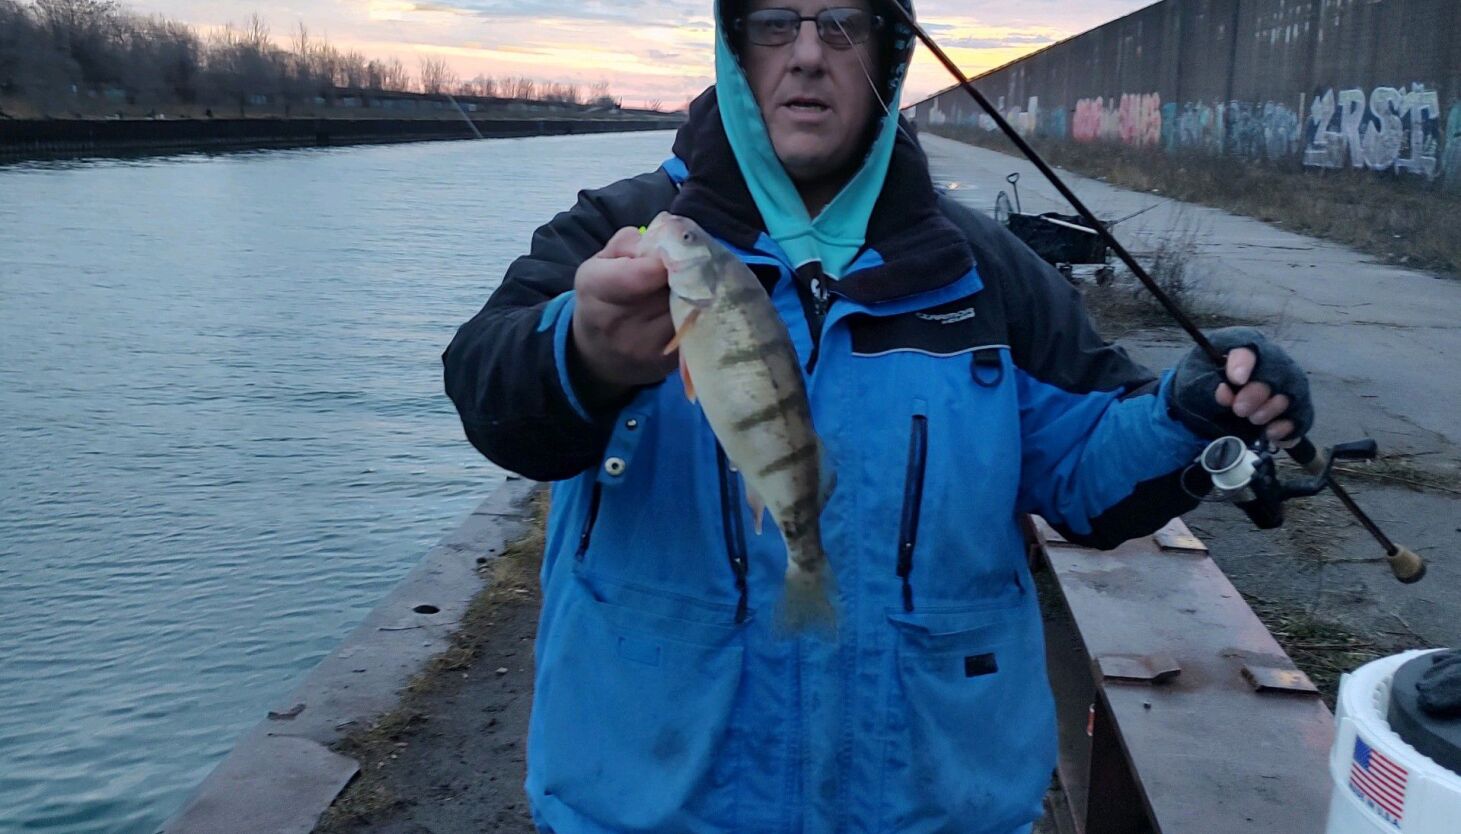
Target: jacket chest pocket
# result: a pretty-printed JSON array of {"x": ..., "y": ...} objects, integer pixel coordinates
[
  {"x": 663, "y": 512},
  {"x": 969, "y": 741}
]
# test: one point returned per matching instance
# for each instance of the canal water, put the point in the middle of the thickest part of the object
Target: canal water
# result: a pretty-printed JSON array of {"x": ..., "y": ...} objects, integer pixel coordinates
[{"x": 223, "y": 435}]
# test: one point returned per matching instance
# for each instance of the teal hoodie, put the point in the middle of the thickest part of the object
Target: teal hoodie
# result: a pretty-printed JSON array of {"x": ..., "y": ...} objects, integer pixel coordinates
[{"x": 836, "y": 235}]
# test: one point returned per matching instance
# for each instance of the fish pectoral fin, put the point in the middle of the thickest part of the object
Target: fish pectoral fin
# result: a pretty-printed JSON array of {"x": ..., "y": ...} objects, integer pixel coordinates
[
  {"x": 826, "y": 474},
  {"x": 680, "y": 331},
  {"x": 685, "y": 378},
  {"x": 758, "y": 507}
]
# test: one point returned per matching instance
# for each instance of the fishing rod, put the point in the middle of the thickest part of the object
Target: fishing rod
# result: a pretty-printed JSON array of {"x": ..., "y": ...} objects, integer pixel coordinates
[{"x": 1261, "y": 496}]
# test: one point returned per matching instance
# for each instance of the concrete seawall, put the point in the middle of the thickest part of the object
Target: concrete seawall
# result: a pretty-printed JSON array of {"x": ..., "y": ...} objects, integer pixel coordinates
[
  {"x": 282, "y": 774},
  {"x": 28, "y": 139},
  {"x": 1322, "y": 84}
]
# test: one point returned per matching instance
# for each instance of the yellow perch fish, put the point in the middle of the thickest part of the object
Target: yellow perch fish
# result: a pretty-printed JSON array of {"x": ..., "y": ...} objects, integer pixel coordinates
[{"x": 737, "y": 361}]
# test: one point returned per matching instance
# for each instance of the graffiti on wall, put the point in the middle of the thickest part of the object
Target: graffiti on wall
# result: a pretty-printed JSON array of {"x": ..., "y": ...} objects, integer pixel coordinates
[
  {"x": 1195, "y": 126},
  {"x": 1388, "y": 130},
  {"x": 1134, "y": 119},
  {"x": 1255, "y": 130},
  {"x": 1027, "y": 120},
  {"x": 1261, "y": 131},
  {"x": 1451, "y": 158}
]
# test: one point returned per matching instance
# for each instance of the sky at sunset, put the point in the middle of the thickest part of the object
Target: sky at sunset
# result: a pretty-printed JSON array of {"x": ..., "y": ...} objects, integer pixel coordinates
[{"x": 646, "y": 49}]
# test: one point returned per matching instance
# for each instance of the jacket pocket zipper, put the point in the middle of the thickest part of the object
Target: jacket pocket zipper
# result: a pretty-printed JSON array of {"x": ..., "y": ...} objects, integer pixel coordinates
[
  {"x": 912, "y": 504},
  {"x": 588, "y": 524},
  {"x": 731, "y": 523}
]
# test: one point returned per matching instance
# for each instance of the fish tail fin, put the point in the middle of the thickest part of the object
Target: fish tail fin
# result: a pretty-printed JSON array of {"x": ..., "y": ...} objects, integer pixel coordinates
[{"x": 808, "y": 602}]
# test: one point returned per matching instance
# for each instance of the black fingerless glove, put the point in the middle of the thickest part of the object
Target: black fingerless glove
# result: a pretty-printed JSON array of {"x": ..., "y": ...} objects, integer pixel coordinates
[
  {"x": 1440, "y": 686},
  {"x": 1192, "y": 396}
]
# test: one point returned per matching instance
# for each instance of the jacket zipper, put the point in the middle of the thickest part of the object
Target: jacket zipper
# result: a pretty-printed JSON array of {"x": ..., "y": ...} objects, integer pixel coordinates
[
  {"x": 588, "y": 524},
  {"x": 816, "y": 303},
  {"x": 734, "y": 527},
  {"x": 912, "y": 504}
]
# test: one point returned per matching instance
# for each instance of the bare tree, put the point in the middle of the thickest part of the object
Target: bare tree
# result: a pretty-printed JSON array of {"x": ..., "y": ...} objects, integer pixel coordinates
[
  {"x": 395, "y": 76},
  {"x": 60, "y": 54},
  {"x": 256, "y": 34},
  {"x": 436, "y": 76},
  {"x": 350, "y": 70},
  {"x": 82, "y": 29},
  {"x": 482, "y": 85},
  {"x": 521, "y": 88},
  {"x": 565, "y": 93},
  {"x": 301, "y": 43}
]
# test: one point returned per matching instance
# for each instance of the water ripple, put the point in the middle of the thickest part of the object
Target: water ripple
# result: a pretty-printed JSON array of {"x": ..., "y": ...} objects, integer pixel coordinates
[{"x": 223, "y": 434}]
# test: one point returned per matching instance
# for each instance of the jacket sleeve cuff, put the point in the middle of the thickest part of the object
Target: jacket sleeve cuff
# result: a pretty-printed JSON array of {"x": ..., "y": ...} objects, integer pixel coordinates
[
  {"x": 1175, "y": 434},
  {"x": 558, "y": 317}
]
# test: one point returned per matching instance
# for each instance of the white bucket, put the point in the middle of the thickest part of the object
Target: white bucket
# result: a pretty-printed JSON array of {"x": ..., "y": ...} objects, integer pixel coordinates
[{"x": 1381, "y": 784}]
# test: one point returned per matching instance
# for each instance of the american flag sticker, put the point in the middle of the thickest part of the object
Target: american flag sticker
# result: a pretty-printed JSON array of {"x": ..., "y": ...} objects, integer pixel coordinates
[{"x": 1378, "y": 781}]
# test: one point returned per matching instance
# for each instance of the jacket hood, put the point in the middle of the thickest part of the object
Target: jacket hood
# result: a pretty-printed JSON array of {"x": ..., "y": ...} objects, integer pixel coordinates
[{"x": 834, "y": 237}]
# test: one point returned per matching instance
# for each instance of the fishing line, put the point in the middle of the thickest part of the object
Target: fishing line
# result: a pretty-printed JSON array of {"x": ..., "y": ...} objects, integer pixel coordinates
[{"x": 877, "y": 93}]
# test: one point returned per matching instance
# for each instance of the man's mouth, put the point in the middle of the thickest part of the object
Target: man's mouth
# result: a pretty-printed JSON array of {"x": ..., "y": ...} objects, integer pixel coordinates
[{"x": 806, "y": 104}]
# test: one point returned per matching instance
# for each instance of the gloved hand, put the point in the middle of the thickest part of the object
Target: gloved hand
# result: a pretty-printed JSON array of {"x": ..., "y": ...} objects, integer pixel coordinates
[
  {"x": 1440, "y": 687},
  {"x": 1261, "y": 389}
]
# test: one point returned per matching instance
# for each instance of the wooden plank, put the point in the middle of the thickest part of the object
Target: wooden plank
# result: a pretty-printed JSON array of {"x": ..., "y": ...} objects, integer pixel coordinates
[{"x": 1208, "y": 753}]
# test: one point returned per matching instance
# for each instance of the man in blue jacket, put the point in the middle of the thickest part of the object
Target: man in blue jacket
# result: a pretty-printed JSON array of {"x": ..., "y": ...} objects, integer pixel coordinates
[{"x": 956, "y": 383}]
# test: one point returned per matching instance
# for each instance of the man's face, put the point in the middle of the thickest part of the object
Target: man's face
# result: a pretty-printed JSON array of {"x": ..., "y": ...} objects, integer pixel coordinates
[{"x": 815, "y": 98}]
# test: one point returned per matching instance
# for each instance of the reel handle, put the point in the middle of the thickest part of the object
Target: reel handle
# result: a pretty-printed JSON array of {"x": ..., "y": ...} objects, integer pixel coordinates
[{"x": 1405, "y": 564}]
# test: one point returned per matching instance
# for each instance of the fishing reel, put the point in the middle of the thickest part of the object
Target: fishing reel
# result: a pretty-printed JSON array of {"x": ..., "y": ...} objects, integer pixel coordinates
[{"x": 1247, "y": 475}]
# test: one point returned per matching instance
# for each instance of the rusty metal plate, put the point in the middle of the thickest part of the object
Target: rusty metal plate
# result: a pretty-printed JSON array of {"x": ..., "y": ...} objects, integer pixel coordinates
[
  {"x": 1137, "y": 668},
  {"x": 1048, "y": 533},
  {"x": 1278, "y": 679},
  {"x": 1176, "y": 536}
]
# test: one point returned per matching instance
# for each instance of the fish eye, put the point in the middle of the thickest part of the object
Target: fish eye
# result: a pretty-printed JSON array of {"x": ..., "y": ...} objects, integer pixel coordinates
[{"x": 687, "y": 237}]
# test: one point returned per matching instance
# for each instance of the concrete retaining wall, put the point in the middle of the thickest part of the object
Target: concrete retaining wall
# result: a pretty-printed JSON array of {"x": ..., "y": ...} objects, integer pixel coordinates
[
  {"x": 282, "y": 774},
  {"x": 21, "y": 139},
  {"x": 1323, "y": 84}
]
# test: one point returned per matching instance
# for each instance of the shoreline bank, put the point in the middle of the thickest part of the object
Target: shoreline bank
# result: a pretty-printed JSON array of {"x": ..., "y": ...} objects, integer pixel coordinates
[
  {"x": 32, "y": 139},
  {"x": 282, "y": 774}
]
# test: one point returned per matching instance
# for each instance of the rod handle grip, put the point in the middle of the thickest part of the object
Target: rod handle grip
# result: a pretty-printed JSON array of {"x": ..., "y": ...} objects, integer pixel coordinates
[
  {"x": 1307, "y": 455},
  {"x": 1407, "y": 566}
]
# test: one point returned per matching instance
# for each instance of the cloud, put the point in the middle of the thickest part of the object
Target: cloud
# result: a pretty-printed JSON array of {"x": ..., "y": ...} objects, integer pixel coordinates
[
  {"x": 643, "y": 48},
  {"x": 652, "y": 13},
  {"x": 997, "y": 41}
]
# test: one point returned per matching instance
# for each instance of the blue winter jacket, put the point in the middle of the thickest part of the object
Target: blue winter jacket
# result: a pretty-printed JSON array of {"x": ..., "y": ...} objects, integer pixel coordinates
[{"x": 956, "y": 383}]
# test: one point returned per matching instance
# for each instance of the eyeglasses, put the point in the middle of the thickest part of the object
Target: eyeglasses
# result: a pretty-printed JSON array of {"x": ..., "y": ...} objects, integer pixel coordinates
[{"x": 839, "y": 28}]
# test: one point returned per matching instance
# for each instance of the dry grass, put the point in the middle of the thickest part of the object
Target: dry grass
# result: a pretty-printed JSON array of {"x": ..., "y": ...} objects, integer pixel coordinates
[
  {"x": 1323, "y": 650},
  {"x": 1125, "y": 306},
  {"x": 509, "y": 577},
  {"x": 1401, "y": 220},
  {"x": 1312, "y": 526},
  {"x": 1400, "y": 470}
]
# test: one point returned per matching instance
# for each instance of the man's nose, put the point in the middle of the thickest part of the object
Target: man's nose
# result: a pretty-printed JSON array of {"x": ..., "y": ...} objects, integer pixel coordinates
[{"x": 807, "y": 51}]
